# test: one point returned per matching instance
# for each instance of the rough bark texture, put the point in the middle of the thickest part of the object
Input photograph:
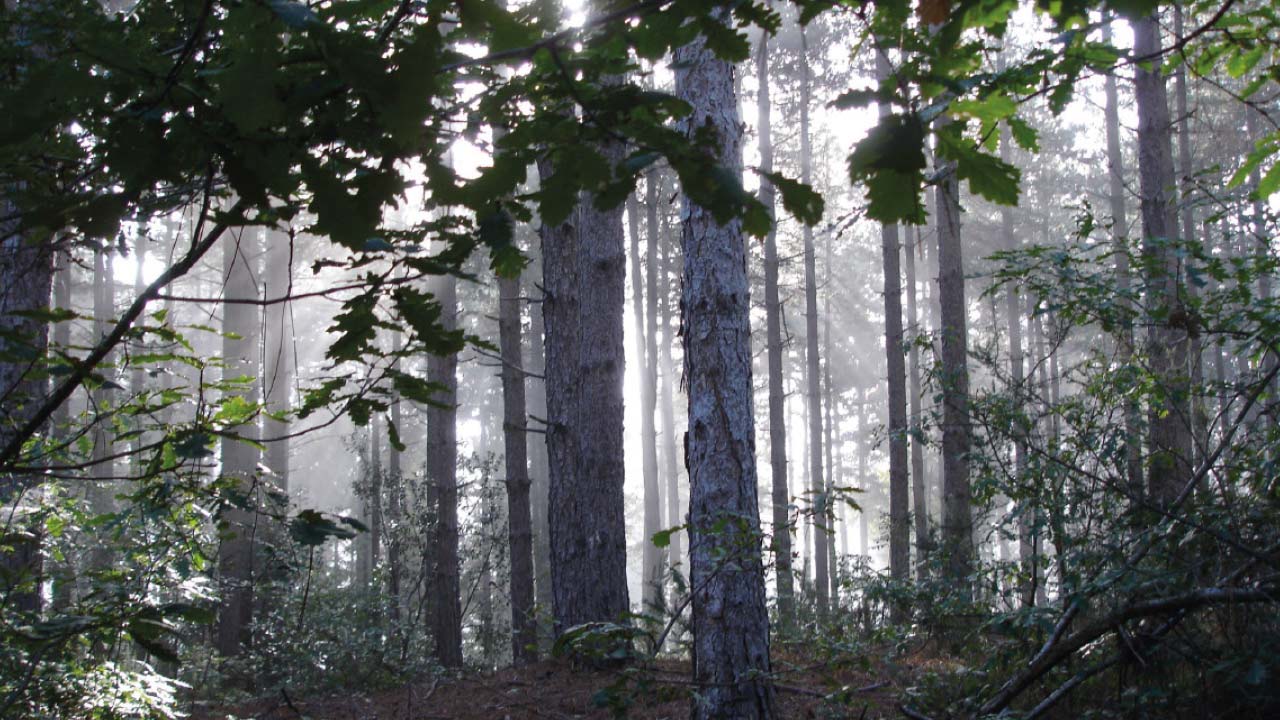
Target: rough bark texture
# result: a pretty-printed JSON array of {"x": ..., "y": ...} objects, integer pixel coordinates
[
  {"x": 239, "y": 458},
  {"x": 822, "y": 527},
  {"x": 26, "y": 279},
  {"x": 584, "y": 273},
  {"x": 730, "y": 619},
  {"x": 442, "y": 475},
  {"x": 780, "y": 497},
  {"x": 515, "y": 451},
  {"x": 899, "y": 491},
  {"x": 1120, "y": 234},
  {"x": 919, "y": 493},
  {"x": 957, "y": 522},
  {"x": 651, "y": 560},
  {"x": 1169, "y": 417}
]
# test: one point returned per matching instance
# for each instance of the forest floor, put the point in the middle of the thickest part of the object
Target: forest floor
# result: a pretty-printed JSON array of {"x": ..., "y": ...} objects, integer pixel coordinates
[{"x": 555, "y": 690}]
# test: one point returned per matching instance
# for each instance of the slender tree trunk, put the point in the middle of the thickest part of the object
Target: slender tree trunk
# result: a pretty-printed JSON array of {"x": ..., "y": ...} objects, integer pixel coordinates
[
  {"x": 1027, "y": 507},
  {"x": 730, "y": 619},
  {"x": 864, "y": 450},
  {"x": 651, "y": 561},
  {"x": 375, "y": 494},
  {"x": 524, "y": 641},
  {"x": 102, "y": 490},
  {"x": 395, "y": 508},
  {"x": 240, "y": 348},
  {"x": 1169, "y": 422},
  {"x": 279, "y": 360},
  {"x": 442, "y": 469},
  {"x": 1119, "y": 232},
  {"x": 813, "y": 375},
  {"x": 957, "y": 522},
  {"x": 780, "y": 497},
  {"x": 584, "y": 275},
  {"x": 919, "y": 491},
  {"x": 829, "y": 427},
  {"x": 675, "y": 514},
  {"x": 899, "y": 489},
  {"x": 538, "y": 472}
]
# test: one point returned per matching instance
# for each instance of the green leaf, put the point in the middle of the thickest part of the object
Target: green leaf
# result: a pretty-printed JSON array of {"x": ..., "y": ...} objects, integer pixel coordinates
[
  {"x": 988, "y": 176},
  {"x": 801, "y": 200}
]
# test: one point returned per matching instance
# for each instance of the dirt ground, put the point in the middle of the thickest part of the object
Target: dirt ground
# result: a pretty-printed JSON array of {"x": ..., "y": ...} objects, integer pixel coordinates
[{"x": 554, "y": 690}]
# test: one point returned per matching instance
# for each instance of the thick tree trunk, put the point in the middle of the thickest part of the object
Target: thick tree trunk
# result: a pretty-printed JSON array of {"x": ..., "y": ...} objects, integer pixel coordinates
[
  {"x": 957, "y": 522},
  {"x": 584, "y": 273},
  {"x": 899, "y": 490},
  {"x": 515, "y": 451},
  {"x": 1119, "y": 233},
  {"x": 1169, "y": 416},
  {"x": 240, "y": 348},
  {"x": 730, "y": 619},
  {"x": 919, "y": 490},
  {"x": 780, "y": 497},
  {"x": 26, "y": 280},
  {"x": 442, "y": 469}
]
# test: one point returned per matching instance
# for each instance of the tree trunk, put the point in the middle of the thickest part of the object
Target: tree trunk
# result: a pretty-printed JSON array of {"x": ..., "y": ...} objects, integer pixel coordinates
[
  {"x": 837, "y": 509},
  {"x": 395, "y": 508},
  {"x": 279, "y": 352},
  {"x": 538, "y": 473},
  {"x": 899, "y": 491},
  {"x": 822, "y": 526},
  {"x": 442, "y": 469},
  {"x": 919, "y": 491},
  {"x": 515, "y": 429},
  {"x": 26, "y": 280},
  {"x": 240, "y": 348},
  {"x": 780, "y": 497},
  {"x": 1120, "y": 233},
  {"x": 957, "y": 523},
  {"x": 730, "y": 618},
  {"x": 651, "y": 561},
  {"x": 675, "y": 513},
  {"x": 584, "y": 273},
  {"x": 1027, "y": 555},
  {"x": 1169, "y": 417}
]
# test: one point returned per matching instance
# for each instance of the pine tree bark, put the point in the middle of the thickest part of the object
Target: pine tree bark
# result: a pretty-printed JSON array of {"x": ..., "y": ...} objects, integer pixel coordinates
[
  {"x": 240, "y": 348},
  {"x": 780, "y": 497},
  {"x": 584, "y": 277},
  {"x": 730, "y": 619},
  {"x": 1169, "y": 416},
  {"x": 515, "y": 451},
  {"x": 899, "y": 490},
  {"x": 442, "y": 469},
  {"x": 957, "y": 522}
]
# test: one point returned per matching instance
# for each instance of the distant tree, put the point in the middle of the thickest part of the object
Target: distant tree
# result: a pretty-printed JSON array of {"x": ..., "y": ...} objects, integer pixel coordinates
[
  {"x": 240, "y": 454},
  {"x": 780, "y": 497}
]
